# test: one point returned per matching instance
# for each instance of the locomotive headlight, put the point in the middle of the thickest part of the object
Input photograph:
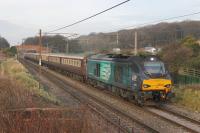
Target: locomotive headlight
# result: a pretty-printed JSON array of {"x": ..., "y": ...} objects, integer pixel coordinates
[
  {"x": 168, "y": 85},
  {"x": 152, "y": 59},
  {"x": 146, "y": 86}
]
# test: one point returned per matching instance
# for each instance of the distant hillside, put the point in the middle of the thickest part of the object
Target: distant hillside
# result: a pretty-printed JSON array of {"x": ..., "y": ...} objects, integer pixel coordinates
[
  {"x": 153, "y": 35},
  {"x": 161, "y": 34}
]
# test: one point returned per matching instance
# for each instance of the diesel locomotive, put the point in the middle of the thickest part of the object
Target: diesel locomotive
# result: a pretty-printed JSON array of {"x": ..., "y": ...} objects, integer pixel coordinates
[{"x": 142, "y": 78}]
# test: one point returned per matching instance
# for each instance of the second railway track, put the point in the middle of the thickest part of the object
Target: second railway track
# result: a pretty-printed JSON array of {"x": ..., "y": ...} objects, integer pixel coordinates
[
  {"x": 151, "y": 122},
  {"x": 174, "y": 117}
]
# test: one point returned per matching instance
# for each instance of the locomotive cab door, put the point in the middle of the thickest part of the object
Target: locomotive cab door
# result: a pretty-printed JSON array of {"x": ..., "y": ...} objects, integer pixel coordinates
[{"x": 134, "y": 78}]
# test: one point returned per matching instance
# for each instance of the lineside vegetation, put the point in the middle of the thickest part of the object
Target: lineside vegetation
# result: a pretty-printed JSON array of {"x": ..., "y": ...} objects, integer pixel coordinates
[
  {"x": 188, "y": 96},
  {"x": 14, "y": 70},
  {"x": 25, "y": 108}
]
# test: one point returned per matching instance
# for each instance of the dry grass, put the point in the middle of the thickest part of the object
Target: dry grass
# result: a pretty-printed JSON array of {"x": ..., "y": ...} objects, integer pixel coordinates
[
  {"x": 188, "y": 96},
  {"x": 12, "y": 95},
  {"x": 14, "y": 117},
  {"x": 79, "y": 120},
  {"x": 44, "y": 121},
  {"x": 19, "y": 91},
  {"x": 16, "y": 71}
]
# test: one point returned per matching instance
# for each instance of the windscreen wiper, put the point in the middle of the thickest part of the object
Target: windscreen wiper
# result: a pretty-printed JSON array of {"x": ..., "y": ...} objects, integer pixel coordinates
[{"x": 146, "y": 72}]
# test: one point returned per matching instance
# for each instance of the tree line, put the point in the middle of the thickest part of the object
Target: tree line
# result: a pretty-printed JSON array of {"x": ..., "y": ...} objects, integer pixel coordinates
[
  {"x": 158, "y": 35},
  {"x": 57, "y": 43},
  {"x": 5, "y": 47},
  {"x": 3, "y": 43}
]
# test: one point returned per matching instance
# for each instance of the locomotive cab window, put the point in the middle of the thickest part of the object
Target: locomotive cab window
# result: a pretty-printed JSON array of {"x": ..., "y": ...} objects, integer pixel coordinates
[
  {"x": 135, "y": 68},
  {"x": 154, "y": 68},
  {"x": 118, "y": 73},
  {"x": 97, "y": 70}
]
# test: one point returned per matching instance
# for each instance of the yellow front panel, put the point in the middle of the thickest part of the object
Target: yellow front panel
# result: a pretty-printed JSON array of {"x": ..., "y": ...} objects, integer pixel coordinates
[{"x": 156, "y": 84}]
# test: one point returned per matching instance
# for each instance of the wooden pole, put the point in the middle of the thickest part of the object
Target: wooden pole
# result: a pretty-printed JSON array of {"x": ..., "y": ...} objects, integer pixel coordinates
[
  {"x": 40, "y": 54},
  {"x": 135, "y": 43},
  {"x": 117, "y": 39},
  {"x": 67, "y": 48}
]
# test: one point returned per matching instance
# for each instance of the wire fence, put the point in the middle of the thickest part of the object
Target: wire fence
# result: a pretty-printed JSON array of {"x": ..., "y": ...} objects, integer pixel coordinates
[{"x": 186, "y": 76}]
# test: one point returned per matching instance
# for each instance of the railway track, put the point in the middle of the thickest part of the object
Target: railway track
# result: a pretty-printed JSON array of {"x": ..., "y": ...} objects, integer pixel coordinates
[
  {"x": 123, "y": 122},
  {"x": 149, "y": 120},
  {"x": 180, "y": 115},
  {"x": 176, "y": 118}
]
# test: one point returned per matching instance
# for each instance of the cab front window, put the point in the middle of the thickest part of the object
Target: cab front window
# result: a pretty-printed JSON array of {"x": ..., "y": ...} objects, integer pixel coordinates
[{"x": 154, "y": 68}]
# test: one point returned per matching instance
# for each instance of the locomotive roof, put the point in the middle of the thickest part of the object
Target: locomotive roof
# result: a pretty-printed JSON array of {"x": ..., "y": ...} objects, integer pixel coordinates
[{"x": 123, "y": 58}]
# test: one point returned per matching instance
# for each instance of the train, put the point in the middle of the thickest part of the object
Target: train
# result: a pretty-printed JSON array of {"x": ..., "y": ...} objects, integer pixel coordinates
[{"x": 139, "y": 78}]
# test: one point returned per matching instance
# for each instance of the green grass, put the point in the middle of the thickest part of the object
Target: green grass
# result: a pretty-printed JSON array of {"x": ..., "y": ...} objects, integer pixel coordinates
[
  {"x": 15, "y": 70},
  {"x": 188, "y": 96}
]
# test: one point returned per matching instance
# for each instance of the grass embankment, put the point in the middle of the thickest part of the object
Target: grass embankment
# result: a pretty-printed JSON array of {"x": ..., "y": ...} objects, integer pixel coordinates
[
  {"x": 188, "y": 96},
  {"x": 20, "y": 76},
  {"x": 19, "y": 91}
]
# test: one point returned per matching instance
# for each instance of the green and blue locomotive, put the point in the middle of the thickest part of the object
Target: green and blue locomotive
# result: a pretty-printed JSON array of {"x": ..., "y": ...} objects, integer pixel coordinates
[
  {"x": 141, "y": 78},
  {"x": 132, "y": 77}
]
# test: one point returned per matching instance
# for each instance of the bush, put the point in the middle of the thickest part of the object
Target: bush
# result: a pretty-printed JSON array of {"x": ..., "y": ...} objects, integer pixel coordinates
[{"x": 188, "y": 96}]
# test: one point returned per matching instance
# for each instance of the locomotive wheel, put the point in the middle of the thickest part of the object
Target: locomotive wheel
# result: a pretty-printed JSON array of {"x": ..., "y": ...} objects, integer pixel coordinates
[
  {"x": 139, "y": 99},
  {"x": 116, "y": 91},
  {"x": 140, "y": 102},
  {"x": 124, "y": 94}
]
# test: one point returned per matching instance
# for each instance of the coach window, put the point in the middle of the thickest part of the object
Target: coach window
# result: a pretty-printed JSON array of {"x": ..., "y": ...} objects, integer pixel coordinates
[
  {"x": 71, "y": 62},
  {"x": 75, "y": 63},
  {"x": 67, "y": 61},
  {"x": 79, "y": 63}
]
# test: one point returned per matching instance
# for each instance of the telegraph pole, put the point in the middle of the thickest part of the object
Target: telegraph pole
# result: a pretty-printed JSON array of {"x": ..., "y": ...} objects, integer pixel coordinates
[
  {"x": 117, "y": 39},
  {"x": 47, "y": 50},
  {"x": 22, "y": 51},
  {"x": 40, "y": 54},
  {"x": 67, "y": 47},
  {"x": 135, "y": 43}
]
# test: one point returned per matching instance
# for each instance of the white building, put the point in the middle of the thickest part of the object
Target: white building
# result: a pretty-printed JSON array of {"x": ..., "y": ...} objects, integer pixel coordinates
[{"x": 150, "y": 50}]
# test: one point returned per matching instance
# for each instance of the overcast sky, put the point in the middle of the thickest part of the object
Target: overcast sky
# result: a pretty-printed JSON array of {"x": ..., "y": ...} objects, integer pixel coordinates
[{"x": 50, "y": 14}]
